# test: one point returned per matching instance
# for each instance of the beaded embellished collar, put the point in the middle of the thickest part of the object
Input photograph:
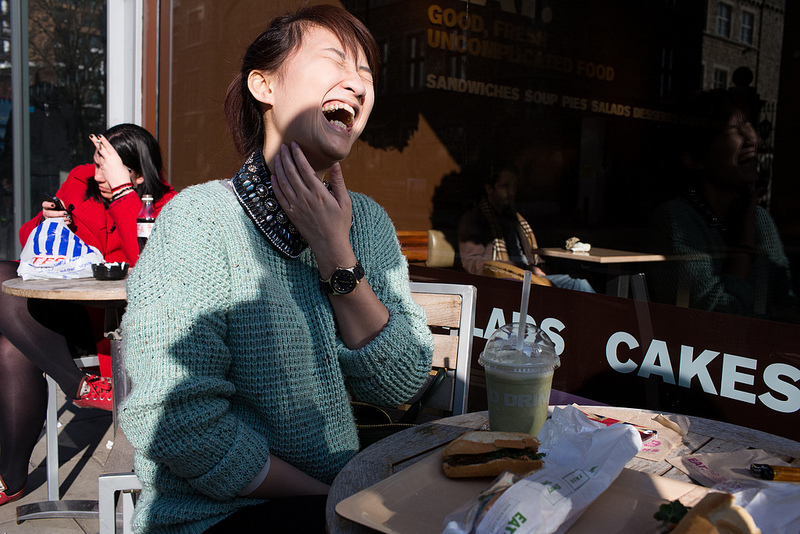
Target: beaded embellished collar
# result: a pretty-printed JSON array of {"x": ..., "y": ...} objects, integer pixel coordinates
[
  {"x": 253, "y": 187},
  {"x": 696, "y": 201}
]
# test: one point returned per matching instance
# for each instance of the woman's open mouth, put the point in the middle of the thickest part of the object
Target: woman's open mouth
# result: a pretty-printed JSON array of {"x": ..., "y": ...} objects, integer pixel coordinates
[
  {"x": 339, "y": 114},
  {"x": 747, "y": 158}
]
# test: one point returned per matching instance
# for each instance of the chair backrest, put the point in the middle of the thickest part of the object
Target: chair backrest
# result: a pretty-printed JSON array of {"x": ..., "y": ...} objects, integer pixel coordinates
[
  {"x": 440, "y": 252},
  {"x": 501, "y": 269},
  {"x": 450, "y": 309}
]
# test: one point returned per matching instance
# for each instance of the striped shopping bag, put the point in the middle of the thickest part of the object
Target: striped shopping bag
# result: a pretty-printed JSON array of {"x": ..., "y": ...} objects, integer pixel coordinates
[{"x": 54, "y": 251}]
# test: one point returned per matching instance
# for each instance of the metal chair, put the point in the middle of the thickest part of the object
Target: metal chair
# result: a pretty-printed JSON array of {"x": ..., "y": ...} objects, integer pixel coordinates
[{"x": 118, "y": 482}]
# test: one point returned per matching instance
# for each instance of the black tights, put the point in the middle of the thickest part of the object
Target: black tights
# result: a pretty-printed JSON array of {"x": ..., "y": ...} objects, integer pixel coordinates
[{"x": 35, "y": 336}]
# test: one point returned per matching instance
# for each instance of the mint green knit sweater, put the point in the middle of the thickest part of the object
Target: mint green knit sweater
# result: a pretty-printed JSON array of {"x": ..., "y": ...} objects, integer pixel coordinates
[{"x": 234, "y": 354}]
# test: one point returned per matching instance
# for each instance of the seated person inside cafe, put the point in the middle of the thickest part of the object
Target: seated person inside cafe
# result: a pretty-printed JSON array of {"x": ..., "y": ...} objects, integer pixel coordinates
[
  {"x": 264, "y": 302},
  {"x": 728, "y": 256},
  {"x": 101, "y": 202},
  {"x": 494, "y": 230}
]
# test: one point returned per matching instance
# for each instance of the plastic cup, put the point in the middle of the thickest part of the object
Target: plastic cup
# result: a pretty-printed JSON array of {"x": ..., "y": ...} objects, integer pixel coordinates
[{"x": 518, "y": 382}]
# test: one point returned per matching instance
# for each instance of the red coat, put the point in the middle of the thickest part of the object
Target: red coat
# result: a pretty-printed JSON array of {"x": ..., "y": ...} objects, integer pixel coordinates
[{"x": 112, "y": 231}]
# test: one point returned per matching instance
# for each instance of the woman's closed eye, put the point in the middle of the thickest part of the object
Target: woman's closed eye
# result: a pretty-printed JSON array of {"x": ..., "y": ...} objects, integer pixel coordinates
[
  {"x": 339, "y": 57},
  {"x": 365, "y": 74}
]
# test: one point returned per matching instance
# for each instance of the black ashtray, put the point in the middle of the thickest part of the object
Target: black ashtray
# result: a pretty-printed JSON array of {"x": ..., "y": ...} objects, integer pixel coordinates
[{"x": 110, "y": 271}]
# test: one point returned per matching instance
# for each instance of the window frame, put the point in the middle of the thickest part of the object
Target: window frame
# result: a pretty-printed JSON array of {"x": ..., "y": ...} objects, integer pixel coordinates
[
  {"x": 718, "y": 69},
  {"x": 124, "y": 61},
  {"x": 124, "y": 50},
  {"x": 752, "y": 27},
  {"x": 727, "y": 22}
]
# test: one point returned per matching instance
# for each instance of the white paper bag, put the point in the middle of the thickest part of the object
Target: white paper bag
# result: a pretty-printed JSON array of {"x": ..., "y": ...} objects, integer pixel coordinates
[
  {"x": 583, "y": 458},
  {"x": 54, "y": 251}
]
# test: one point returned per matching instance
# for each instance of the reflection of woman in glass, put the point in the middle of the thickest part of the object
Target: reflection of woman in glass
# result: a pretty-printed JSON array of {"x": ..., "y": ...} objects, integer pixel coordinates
[
  {"x": 727, "y": 254},
  {"x": 263, "y": 301}
]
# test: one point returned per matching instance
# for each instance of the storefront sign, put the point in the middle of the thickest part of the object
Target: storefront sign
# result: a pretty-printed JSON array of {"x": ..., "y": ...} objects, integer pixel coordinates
[{"x": 636, "y": 354}]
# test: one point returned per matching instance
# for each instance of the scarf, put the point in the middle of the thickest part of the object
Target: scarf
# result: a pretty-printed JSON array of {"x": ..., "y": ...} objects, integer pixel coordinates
[{"x": 524, "y": 231}]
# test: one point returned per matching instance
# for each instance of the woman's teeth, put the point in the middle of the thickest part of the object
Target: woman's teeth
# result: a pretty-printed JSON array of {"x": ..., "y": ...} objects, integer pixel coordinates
[{"x": 339, "y": 114}]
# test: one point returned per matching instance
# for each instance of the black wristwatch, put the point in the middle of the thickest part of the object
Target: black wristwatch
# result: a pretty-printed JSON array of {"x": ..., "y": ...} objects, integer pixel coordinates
[{"x": 343, "y": 281}]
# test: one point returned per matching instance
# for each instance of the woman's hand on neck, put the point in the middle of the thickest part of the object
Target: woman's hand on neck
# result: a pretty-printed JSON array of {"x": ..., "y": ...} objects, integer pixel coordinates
[
  {"x": 270, "y": 156},
  {"x": 322, "y": 217}
]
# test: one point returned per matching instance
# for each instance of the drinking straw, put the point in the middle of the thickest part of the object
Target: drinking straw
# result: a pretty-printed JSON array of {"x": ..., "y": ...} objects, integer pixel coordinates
[{"x": 523, "y": 309}]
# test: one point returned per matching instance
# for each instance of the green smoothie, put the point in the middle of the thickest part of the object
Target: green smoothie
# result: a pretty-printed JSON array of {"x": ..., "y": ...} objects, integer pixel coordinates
[
  {"x": 518, "y": 402},
  {"x": 519, "y": 375}
]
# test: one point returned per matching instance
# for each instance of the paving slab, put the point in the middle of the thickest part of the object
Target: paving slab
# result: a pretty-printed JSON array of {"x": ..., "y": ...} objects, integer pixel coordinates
[{"x": 85, "y": 437}]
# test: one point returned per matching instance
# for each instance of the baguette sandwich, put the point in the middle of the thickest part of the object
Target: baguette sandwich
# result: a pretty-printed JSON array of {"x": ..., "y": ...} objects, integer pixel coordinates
[
  {"x": 716, "y": 513},
  {"x": 488, "y": 454}
]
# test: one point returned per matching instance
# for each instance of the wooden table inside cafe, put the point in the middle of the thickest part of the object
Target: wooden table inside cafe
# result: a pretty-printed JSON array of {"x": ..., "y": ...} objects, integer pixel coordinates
[
  {"x": 619, "y": 264},
  {"x": 404, "y": 449}
]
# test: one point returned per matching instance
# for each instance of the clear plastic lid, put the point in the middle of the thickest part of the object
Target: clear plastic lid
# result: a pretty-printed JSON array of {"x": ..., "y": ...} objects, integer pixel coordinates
[{"x": 538, "y": 350}]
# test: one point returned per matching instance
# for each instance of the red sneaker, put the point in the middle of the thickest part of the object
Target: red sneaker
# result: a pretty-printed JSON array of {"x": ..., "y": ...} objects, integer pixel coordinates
[
  {"x": 95, "y": 392},
  {"x": 8, "y": 498}
]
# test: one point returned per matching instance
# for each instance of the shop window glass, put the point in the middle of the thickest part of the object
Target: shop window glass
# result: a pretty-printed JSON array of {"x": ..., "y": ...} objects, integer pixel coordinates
[
  {"x": 748, "y": 22},
  {"x": 720, "y": 79},
  {"x": 66, "y": 72},
  {"x": 724, "y": 20}
]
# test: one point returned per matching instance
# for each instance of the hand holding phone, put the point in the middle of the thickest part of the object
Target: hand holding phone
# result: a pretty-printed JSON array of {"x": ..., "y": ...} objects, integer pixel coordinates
[{"x": 59, "y": 206}]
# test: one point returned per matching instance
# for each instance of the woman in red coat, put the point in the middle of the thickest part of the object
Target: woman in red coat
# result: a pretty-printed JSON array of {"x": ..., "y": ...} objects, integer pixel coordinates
[{"x": 102, "y": 201}]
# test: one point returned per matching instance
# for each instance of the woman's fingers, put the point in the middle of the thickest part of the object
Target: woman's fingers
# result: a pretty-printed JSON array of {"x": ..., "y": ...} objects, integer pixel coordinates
[
  {"x": 283, "y": 189},
  {"x": 300, "y": 180},
  {"x": 108, "y": 161},
  {"x": 105, "y": 150},
  {"x": 49, "y": 212},
  {"x": 336, "y": 179},
  {"x": 297, "y": 182},
  {"x": 319, "y": 216},
  {"x": 303, "y": 169}
]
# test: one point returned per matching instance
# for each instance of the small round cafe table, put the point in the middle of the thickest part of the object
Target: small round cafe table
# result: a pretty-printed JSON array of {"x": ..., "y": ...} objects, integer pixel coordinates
[
  {"x": 90, "y": 291},
  {"x": 409, "y": 447}
]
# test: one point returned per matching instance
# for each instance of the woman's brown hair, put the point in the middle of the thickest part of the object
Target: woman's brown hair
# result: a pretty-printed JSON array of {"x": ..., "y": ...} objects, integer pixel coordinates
[{"x": 270, "y": 50}]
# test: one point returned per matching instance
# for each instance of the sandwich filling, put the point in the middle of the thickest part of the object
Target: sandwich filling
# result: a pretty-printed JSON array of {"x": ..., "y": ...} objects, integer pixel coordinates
[{"x": 499, "y": 454}]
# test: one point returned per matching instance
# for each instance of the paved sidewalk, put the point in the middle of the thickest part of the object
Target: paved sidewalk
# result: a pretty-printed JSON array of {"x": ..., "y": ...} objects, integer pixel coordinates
[{"x": 84, "y": 445}]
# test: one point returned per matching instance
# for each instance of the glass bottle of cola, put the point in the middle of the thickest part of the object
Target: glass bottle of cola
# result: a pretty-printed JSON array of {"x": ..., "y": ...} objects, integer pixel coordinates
[{"x": 145, "y": 220}]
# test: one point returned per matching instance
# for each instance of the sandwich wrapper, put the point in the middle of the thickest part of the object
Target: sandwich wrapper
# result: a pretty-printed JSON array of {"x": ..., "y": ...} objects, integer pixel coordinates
[
  {"x": 671, "y": 429},
  {"x": 583, "y": 458},
  {"x": 773, "y": 505}
]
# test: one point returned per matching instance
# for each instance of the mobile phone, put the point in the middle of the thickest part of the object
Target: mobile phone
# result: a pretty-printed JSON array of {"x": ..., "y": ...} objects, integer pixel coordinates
[{"x": 59, "y": 206}]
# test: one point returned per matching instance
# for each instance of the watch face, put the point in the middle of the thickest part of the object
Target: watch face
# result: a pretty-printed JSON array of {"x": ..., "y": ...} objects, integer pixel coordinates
[{"x": 343, "y": 281}]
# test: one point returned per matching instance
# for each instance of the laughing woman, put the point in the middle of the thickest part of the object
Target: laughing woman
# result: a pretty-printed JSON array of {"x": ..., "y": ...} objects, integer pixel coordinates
[{"x": 264, "y": 301}]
